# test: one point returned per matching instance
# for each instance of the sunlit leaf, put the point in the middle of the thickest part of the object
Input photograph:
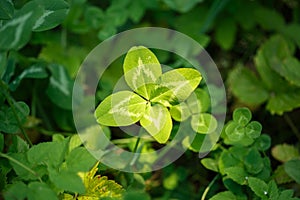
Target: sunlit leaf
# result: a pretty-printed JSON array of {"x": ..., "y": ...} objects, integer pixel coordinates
[
  {"x": 200, "y": 102},
  {"x": 157, "y": 121},
  {"x": 176, "y": 85},
  {"x": 180, "y": 112},
  {"x": 204, "y": 123},
  {"x": 141, "y": 68},
  {"x": 120, "y": 109}
]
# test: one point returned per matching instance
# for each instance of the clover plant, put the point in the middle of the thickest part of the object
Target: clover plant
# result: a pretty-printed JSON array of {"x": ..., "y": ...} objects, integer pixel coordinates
[{"x": 155, "y": 97}]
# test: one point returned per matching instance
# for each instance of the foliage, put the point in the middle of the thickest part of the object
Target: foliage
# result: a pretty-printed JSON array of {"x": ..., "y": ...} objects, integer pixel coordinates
[{"x": 244, "y": 165}]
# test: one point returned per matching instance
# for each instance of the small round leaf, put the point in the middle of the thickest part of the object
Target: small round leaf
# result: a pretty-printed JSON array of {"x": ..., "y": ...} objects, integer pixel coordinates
[
  {"x": 180, "y": 112},
  {"x": 253, "y": 129},
  {"x": 204, "y": 123},
  {"x": 234, "y": 131},
  {"x": 263, "y": 143},
  {"x": 242, "y": 116}
]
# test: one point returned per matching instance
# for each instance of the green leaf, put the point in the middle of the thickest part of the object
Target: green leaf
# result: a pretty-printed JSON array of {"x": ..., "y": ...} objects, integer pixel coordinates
[
  {"x": 120, "y": 109},
  {"x": 136, "y": 195},
  {"x": 49, "y": 153},
  {"x": 253, "y": 129},
  {"x": 37, "y": 190},
  {"x": 35, "y": 71},
  {"x": 204, "y": 123},
  {"x": 290, "y": 70},
  {"x": 60, "y": 87},
  {"x": 194, "y": 143},
  {"x": 68, "y": 181},
  {"x": 180, "y": 112},
  {"x": 15, "y": 33},
  {"x": 225, "y": 33},
  {"x": 292, "y": 168},
  {"x": 259, "y": 187},
  {"x": 234, "y": 131},
  {"x": 285, "y": 152},
  {"x": 157, "y": 121},
  {"x": 54, "y": 12},
  {"x": 6, "y": 9},
  {"x": 171, "y": 182},
  {"x": 99, "y": 186},
  {"x": 141, "y": 68},
  {"x": 227, "y": 160},
  {"x": 269, "y": 19},
  {"x": 75, "y": 141},
  {"x": 94, "y": 16},
  {"x": 182, "y": 5},
  {"x": 199, "y": 103},
  {"x": 8, "y": 118},
  {"x": 271, "y": 79},
  {"x": 17, "y": 191},
  {"x": 210, "y": 164},
  {"x": 22, "y": 172},
  {"x": 291, "y": 31},
  {"x": 238, "y": 174},
  {"x": 253, "y": 161},
  {"x": 246, "y": 86},
  {"x": 176, "y": 85},
  {"x": 3, "y": 64},
  {"x": 263, "y": 143},
  {"x": 286, "y": 194},
  {"x": 137, "y": 11},
  {"x": 95, "y": 137},
  {"x": 280, "y": 175},
  {"x": 284, "y": 101},
  {"x": 242, "y": 116},
  {"x": 18, "y": 145},
  {"x": 1, "y": 142},
  {"x": 273, "y": 190},
  {"x": 80, "y": 159},
  {"x": 227, "y": 195}
]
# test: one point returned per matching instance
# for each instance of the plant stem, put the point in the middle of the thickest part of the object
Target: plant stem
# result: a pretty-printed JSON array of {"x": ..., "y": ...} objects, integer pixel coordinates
[
  {"x": 33, "y": 101},
  {"x": 292, "y": 125},
  {"x": 10, "y": 102},
  {"x": 209, "y": 186},
  {"x": 136, "y": 144},
  {"x": 21, "y": 165}
]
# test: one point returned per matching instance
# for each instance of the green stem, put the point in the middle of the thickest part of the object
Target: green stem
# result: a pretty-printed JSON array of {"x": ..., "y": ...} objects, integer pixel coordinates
[
  {"x": 214, "y": 10},
  {"x": 10, "y": 102},
  {"x": 21, "y": 165},
  {"x": 209, "y": 186},
  {"x": 33, "y": 101},
  {"x": 136, "y": 144},
  {"x": 292, "y": 126}
]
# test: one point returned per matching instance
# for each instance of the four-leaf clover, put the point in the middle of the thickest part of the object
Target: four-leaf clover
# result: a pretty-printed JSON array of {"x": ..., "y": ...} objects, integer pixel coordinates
[{"x": 153, "y": 94}]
